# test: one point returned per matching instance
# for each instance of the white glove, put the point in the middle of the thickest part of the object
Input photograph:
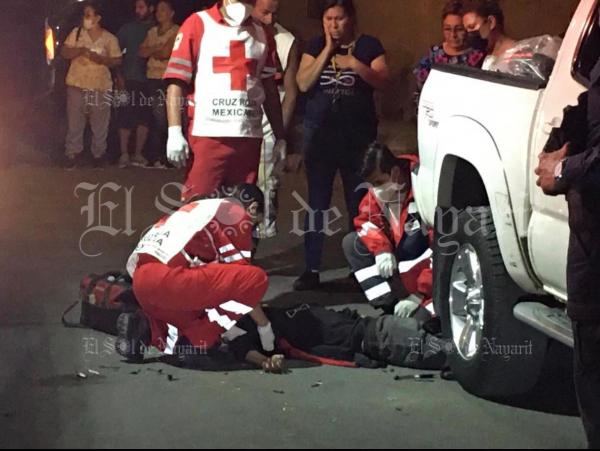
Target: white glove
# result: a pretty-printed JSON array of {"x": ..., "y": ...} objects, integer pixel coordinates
[
  {"x": 405, "y": 308},
  {"x": 386, "y": 264},
  {"x": 280, "y": 155},
  {"x": 267, "y": 338},
  {"x": 178, "y": 150}
]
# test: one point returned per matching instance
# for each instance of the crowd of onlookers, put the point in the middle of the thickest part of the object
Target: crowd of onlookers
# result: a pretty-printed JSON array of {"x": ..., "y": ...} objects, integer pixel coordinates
[{"x": 121, "y": 73}]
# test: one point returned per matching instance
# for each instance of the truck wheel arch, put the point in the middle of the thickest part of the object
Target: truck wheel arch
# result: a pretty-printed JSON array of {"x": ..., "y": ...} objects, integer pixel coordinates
[{"x": 470, "y": 173}]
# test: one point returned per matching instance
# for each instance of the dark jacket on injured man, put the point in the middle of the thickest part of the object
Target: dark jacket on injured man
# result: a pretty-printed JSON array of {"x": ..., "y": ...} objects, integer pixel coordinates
[{"x": 346, "y": 336}]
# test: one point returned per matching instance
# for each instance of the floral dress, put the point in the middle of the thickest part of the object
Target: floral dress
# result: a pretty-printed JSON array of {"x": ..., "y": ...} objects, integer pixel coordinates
[{"x": 437, "y": 55}]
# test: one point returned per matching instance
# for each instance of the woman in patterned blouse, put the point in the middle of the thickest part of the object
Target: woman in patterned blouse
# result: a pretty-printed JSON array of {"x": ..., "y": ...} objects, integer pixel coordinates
[{"x": 453, "y": 50}]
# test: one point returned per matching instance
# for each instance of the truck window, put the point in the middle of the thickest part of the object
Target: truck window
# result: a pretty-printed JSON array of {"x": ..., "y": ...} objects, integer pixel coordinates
[{"x": 589, "y": 53}]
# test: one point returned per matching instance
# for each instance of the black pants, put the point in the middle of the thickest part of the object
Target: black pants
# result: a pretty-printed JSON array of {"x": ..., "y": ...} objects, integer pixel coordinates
[
  {"x": 382, "y": 293},
  {"x": 587, "y": 378},
  {"x": 157, "y": 150},
  {"x": 328, "y": 151},
  {"x": 134, "y": 106}
]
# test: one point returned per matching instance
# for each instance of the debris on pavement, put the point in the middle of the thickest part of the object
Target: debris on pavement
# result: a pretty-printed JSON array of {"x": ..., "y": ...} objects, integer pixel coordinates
[{"x": 416, "y": 377}]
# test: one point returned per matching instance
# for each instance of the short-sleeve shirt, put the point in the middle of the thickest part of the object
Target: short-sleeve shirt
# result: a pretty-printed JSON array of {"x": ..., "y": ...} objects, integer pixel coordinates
[
  {"x": 156, "y": 67},
  {"x": 354, "y": 103},
  {"x": 131, "y": 37},
  {"x": 84, "y": 73}
]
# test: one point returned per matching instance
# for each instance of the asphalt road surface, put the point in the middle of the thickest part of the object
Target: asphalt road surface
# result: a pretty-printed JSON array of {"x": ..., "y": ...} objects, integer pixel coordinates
[{"x": 53, "y": 231}]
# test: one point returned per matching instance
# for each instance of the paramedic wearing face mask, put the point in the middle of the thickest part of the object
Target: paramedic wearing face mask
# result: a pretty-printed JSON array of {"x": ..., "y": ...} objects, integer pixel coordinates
[
  {"x": 484, "y": 22},
  {"x": 388, "y": 231},
  {"x": 224, "y": 61}
]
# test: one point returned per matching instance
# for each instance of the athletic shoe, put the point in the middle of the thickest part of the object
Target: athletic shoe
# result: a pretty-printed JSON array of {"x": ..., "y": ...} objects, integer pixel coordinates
[
  {"x": 124, "y": 161},
  {"x": 139, "y": 162}
]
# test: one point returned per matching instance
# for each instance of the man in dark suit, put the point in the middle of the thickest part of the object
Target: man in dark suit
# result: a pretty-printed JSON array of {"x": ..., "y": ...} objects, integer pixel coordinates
[{"x": 574, "y": 171}]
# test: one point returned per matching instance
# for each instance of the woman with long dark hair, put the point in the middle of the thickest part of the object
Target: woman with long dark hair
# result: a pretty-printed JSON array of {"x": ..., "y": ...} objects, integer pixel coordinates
[{"x": 340, "y": 70}]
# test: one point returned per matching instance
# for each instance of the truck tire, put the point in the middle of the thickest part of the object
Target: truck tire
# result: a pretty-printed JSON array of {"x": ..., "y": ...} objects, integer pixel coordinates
[{"x": 491, "y": 353}]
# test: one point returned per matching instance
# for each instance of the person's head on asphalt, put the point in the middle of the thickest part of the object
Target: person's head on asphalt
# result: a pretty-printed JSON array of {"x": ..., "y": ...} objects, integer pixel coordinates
[{"x": 386, "y": 174}]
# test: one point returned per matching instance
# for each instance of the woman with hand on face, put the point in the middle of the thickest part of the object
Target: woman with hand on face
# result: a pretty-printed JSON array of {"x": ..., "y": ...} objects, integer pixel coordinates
[
  {"x": 454, "y": 49},
  {"x": 339, "y": 71}
]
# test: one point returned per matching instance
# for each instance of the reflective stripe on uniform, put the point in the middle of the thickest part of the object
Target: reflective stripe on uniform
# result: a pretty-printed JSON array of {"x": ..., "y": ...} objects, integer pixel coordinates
[
  {"x": 236, "y": 307},
  {"x": 378, "y": 291},
  {"x": 366, "y": 273}
]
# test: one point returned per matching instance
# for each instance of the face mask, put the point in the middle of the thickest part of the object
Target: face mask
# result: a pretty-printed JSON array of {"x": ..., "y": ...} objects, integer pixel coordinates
[
  {"x": 237, "y": 13},
  {"x": 476, "y": 41},
  {"x": 390, "y": 193},
  {"x": 88, "y": 24}
]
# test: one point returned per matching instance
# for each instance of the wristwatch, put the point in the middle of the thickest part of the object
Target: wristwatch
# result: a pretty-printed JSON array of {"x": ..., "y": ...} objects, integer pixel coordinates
[{"x": 560, "y": 169}]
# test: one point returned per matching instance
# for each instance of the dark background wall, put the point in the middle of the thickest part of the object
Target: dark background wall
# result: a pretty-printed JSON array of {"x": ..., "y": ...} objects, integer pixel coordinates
[{"x": 408, "y": 28}]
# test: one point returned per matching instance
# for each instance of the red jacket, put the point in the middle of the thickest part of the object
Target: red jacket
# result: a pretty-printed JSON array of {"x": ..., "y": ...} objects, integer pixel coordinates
[
  {"x": 226, "y": 238},
  {"x": 378, "y": 231}
]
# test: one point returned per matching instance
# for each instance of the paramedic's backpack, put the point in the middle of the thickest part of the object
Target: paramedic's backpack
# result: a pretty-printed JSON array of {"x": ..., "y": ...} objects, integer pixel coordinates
[{"x": 103, "y": 298}]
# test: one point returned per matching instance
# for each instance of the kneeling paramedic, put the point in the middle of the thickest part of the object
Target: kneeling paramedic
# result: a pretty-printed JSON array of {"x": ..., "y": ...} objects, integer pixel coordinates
[
  {"x": 193, "y": 278},
  {"x": 388, "y": 231}
]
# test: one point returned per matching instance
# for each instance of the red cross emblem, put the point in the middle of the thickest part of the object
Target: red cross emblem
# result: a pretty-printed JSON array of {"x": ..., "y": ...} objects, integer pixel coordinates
[{"x": 237, "y": 65}]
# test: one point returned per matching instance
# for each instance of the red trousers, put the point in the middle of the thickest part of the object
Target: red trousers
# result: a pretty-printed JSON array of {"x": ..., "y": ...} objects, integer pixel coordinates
[
  {"x": 221, "y": 162},
  {"x": 181, "y": 297}
]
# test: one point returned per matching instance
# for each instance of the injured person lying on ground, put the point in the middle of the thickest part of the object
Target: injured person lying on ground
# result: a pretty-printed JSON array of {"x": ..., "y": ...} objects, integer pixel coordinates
[
  {"x": 200, "y": 303},
  {"x": 388, "y": 231},
  {"x": 316, "y": 334}
]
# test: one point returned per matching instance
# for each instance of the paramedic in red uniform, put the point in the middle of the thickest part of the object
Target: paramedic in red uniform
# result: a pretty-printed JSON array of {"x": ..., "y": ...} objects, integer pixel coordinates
[
  {"x": 224, "y": 61},
  {"x": 193, "y": 278},
  {"x": 388, "y": 232}
]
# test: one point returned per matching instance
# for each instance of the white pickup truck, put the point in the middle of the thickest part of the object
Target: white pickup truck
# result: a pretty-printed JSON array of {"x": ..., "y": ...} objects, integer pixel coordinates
[{"x": 501, "y": 245}]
